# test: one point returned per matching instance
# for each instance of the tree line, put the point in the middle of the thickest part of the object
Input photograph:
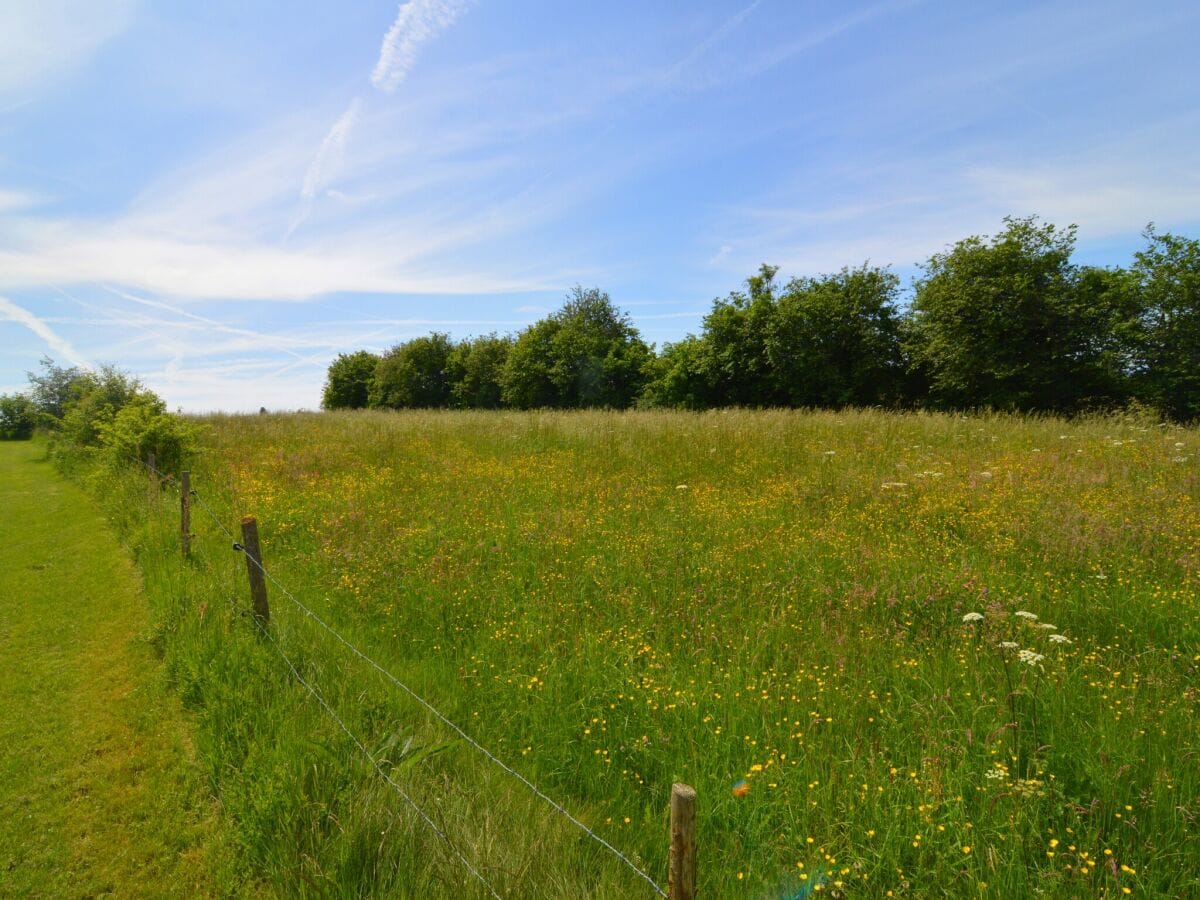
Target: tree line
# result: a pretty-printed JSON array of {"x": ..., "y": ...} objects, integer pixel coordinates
[
  {"x": 101, "y": 414},
  {"x": 1005, "y": 322}
]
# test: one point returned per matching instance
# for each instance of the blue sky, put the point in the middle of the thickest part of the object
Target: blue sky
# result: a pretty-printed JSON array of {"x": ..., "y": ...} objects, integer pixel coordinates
[{"x": 222, "y": 196}]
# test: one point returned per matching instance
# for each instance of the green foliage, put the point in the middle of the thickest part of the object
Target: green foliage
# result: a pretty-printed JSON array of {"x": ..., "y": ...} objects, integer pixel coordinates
[
  {"x": 414, "y": 374},
  {"x": 585, "y": 355},
  {"x": 141, "y": 427},
  {"x": 348, "y": 381},
  {"x": 96, "y": 398},
  {"x": 1006, "y": 322},
  {"x": 108, "y": 413},
  {"x": 55, "y": 387},
  {"x": 1010, "y": 323},
  {"x": 678, "y": 377},
  {"x": 733, "y": 359},
  {"x": 475, "y": 368},
  {"x": 18, "y": 417},
  {"x": 1167, "y": 274},
  {"x": 990, "y": 318},
  {"x": 833, "y": 341},
  {"x": 1103, "y": 325}
]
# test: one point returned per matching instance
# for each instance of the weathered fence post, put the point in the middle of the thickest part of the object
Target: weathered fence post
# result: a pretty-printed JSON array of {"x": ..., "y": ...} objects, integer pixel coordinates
[
  {"x": 185, "y": 512},
  {"x": 258, "y": 583},
  {"x": 681, "y": 884}
]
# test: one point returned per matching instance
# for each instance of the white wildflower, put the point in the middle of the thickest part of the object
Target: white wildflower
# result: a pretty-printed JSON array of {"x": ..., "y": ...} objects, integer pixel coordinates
[
  {"x": 1029, "y": 657},
  {"x": 1047, "y": 626},
  {"x": 1009, "y": 645},
  {"x": 681, "y": 487},
  {"x": 985, "y": 474},
  {"x": 889, "y": 485},
  {"x": 1025, "y": 614},
  {"x": 1060, "y": 639},
  {"x": 830, "y": 452},
  {"x": 973, "y": 617}
]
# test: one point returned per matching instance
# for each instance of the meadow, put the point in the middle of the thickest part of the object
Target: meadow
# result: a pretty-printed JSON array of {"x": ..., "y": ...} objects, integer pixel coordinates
[{"x": 896, "y": 654}]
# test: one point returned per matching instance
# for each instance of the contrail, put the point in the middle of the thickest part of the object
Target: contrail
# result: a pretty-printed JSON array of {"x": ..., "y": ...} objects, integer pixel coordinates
[
  {"x": 329, "y": 155},
  {"x": 10, "y": 312},
  {"x": 416, "y": 22}
]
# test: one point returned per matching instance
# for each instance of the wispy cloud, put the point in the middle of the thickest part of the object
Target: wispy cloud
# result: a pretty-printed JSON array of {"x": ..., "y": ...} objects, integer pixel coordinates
[
  {"x": 43, "y": 41},
  {"x": 16, "y": 201},
  {"x": 10, "y": 312},
  {"x": 698, "y": 52},
  {"x": 327, "y": 162},
  {"x": 416, "y": 22},
  {"x": 330, "y": 153}
]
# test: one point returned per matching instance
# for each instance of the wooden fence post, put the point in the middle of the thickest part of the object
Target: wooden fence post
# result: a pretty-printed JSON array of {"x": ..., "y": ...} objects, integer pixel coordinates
[
  {"x": 185, "y": 512},
  {"x": 681, "y": 884},
  {"x": 258, "y": 584}
]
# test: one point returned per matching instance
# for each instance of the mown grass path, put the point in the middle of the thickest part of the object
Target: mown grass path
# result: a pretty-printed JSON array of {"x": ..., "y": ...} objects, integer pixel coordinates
[{"x": 99, "y": 793}]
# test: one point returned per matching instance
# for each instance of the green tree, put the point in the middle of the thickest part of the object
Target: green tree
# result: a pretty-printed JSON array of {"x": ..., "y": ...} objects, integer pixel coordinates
[
  {"x": 995, "y": 322},
  {"x": 414, "y": 375},
  {"x": 1167, "y": 274},
  {"x": 54, "y": 387},
  {"x": 834, "y": 341},
  {"x": 677, "y": 377},
  {"x": 1105, "y": 338},
  {"x": 18, "y": 417},
  {"x": 587, "y": 354},
  {"x": 348, "y": 380},
  {"x": 97, "y": 397},
  {"x": 732, "y": 359},
  {"x": 475, "y": 367}
]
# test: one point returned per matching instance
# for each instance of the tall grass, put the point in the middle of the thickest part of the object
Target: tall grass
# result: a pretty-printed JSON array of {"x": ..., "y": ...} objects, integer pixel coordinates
[{"x": 615, "y": 601}]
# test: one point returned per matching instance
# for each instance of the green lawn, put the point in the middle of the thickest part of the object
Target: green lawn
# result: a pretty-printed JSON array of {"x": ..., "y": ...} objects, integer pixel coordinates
[{"x": 99, "y": 790}]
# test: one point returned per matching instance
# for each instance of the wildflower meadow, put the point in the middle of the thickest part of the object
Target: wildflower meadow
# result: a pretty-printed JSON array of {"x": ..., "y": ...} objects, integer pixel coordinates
[{"x": 896, "y": 654}]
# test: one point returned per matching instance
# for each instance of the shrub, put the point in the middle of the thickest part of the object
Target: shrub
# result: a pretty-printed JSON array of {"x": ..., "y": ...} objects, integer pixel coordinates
[
  {"x": 18, "y": 416},
  {"x": 142, "y": 427}
]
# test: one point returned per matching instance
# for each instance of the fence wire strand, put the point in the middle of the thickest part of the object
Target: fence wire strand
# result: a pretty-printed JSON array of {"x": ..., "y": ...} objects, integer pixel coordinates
[
  {"x": 316, "y": 694},
  {"x": 558, "y": 807},
  {"x": 374, "y": 762}
]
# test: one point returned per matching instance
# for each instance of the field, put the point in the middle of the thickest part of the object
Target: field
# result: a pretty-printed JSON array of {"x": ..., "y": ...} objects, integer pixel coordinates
[{"x": 946, "y": 655}]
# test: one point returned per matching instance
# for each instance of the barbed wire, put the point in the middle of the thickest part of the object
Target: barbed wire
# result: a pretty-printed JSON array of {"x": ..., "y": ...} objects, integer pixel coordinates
[{"x": 558, "y": 807}]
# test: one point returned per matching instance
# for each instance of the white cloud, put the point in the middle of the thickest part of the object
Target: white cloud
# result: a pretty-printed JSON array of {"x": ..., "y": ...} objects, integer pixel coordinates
[
  {"x": 45, "y": 39},
  {"x": 10, "y": 312},
  {"x": 416, "y": 22}
]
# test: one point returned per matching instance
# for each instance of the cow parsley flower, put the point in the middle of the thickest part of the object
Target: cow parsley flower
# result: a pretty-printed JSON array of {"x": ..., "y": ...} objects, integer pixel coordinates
[
  {"x": 1009, "y": 645},
  {"x": 1060, "y": 639},
  {"x": 973, "y": 617},
  {"x": 1025, "y": 614},
  {"x": 1029, "y": 657}
]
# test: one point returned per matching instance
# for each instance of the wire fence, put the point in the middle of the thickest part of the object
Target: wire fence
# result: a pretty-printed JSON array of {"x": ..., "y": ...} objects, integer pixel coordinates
[{"x": 412, "y": 694}]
